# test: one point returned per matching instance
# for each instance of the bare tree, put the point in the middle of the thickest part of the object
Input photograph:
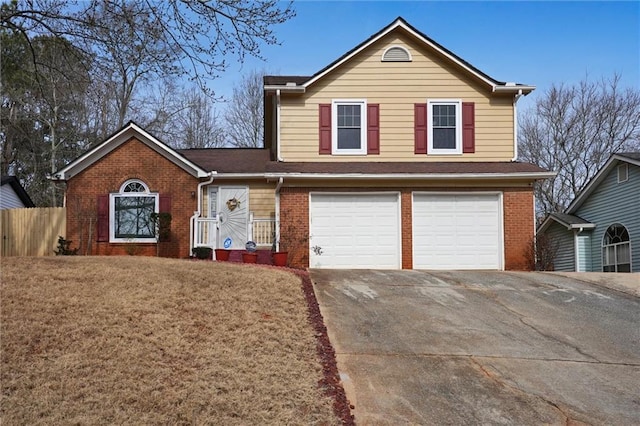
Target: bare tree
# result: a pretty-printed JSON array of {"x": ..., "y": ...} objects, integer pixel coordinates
[
  {"x": 245, "y": 114},
  {"x": 193, "y": 38},
  {"x": 199, "y": 122},
  {"x": 574, "y": 130}
]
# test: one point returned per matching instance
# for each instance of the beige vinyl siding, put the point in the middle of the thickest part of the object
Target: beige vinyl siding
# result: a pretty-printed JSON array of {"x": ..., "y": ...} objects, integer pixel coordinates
[
  {"x": 397, "y": 86},
  {"x": 262, "y": 199}
]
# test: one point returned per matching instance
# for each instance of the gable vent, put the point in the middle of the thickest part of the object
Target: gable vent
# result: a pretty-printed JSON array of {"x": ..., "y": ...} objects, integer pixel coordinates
[{"x": 396, "y": 54}]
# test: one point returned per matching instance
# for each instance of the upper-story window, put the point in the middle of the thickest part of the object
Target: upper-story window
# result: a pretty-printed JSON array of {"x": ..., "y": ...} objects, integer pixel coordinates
[
  {"x": 623, "y": 173},
  {"x": 349, "y": 127},
  {"x": 444, "y": 119},
  {"x": 131, "y": 210}
]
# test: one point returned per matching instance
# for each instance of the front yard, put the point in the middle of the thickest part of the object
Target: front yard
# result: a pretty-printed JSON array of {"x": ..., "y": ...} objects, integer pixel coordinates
[{"x": 122, "y": 340}]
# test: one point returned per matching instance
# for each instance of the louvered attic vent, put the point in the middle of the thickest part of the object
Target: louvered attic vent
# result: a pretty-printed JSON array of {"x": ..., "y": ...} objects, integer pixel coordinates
[{"x": 396, "y": 54}]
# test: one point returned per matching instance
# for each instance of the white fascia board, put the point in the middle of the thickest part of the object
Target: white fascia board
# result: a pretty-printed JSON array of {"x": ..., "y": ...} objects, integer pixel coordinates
[
  {"x": 514, "y": 89},
  {"x": 222, "y": 175},
  {"x": 392, "y": 27},
  {"x": 284, "y": 88},
  {"x": 596, "y": 180},
  {"x": 414, "y": 176}
]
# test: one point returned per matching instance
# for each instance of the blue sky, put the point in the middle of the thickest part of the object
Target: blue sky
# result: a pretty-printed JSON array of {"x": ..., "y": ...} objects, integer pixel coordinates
[{"x": 536, "y": 43}]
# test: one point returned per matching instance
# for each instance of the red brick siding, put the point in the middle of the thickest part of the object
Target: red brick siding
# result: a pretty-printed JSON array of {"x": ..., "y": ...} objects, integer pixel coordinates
[
  {"x": 518, "y": 227},
  {"x": 132, "y": 160},
  {"x": 517, "y": 209}
]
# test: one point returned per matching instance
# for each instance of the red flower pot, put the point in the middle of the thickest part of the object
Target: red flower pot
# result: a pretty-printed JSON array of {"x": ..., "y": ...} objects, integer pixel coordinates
[
  {"x": 222, "y": 255},
  {"x": 250, "y": 257},
  {"x": 279, "y": 258}
]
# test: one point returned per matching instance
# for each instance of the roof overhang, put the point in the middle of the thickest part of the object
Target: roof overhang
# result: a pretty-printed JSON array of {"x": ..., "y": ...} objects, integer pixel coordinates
[
  {"x": 284, "y": 88},
  {"x": 131, "y": 130},
  {"x": 413, "y": 176},
  {"x": 570, "y": 226}
]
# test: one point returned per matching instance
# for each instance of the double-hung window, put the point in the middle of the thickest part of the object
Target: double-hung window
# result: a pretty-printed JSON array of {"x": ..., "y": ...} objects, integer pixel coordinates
[
  {"x": 444, "y": 120},
  {"x": 349, "y": 127},
  {"x": 130, "y": 213}
]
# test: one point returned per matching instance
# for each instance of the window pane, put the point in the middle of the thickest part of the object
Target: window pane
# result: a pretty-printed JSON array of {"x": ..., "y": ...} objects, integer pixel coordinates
[
  {"x": 133, "y": 217},
  {"x": 623, "y": 254},
  {"x": 444, "y": 138},
  {"x": 349, "y": 127},
  {"x": 348, "y": 138}
]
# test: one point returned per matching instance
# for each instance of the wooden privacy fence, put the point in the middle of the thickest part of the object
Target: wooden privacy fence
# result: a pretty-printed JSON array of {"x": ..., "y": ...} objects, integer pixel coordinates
[{"x": 33, "y": 231}]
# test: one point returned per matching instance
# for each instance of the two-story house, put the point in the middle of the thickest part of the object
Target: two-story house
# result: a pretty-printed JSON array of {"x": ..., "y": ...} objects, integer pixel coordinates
[{"x": 399, "y": 154}]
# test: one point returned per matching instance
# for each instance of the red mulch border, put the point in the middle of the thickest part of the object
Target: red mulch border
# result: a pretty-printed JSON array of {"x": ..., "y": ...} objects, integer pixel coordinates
[{"x": 331, "y": 383}]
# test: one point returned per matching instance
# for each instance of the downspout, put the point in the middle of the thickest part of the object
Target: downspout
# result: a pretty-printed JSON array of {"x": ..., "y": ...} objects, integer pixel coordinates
[
  {"x": 277, "y": 236},
  {"x": 278, "y": 156},
  {"x": 515, "y": 124},
  {"x": 196, "y": 214}
]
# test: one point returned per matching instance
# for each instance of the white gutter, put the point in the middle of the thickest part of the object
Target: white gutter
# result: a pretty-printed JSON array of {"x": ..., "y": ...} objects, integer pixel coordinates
[
  {"x": 513, "y": 88},
  {"x": 285, "y": 88},
  {"x": 409, "y": 176},
  {"x": 196, "y": 214},
  {"x": 515, "y": 124},
  {"x": 278, "y": 156},
  {"x": 277, "y": 236}
]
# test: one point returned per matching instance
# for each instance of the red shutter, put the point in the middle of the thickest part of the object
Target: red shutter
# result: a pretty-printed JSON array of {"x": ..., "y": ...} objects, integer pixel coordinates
[
  {"x": 165, "y": 204},
  {"x": 325, "y": 128},
  {"x": 468, "y": 127},
  {"x": 420, "y": 128},
  {"x": 373, "y": 129},
  {"x": 103, "y": 218}
]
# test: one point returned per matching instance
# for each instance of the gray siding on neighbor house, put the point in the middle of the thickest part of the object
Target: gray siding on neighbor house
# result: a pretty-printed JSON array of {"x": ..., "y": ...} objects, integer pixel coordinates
[
  {"x": 9, "y": 199},
  {"x": 565, "y": 258},
  {"x": 610, "y": 203}
]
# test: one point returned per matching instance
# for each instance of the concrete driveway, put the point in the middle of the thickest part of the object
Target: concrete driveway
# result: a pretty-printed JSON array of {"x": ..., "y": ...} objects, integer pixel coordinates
[{"x": 417, "y": 347}]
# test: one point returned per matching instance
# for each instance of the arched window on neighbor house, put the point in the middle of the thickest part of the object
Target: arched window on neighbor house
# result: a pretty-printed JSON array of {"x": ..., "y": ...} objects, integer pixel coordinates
[{"x": 616, "y": 249}]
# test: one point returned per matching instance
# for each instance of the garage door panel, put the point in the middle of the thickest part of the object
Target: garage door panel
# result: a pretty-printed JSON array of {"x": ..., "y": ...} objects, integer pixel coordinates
[
  {"x": 457, "y": 231},
  {"x": 355, "y": 230}
]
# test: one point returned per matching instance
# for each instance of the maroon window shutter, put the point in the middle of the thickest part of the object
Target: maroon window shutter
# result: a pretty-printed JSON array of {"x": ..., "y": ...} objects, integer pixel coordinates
[
  {"x": 468, "y": 128},
  {"x": 420, "y": 128},
  {"x": 103, "y": 218},
  {"x": 325, "y": 128},
  {"x": 165, "y": 204},
  {"x": 373, "y": 129}
]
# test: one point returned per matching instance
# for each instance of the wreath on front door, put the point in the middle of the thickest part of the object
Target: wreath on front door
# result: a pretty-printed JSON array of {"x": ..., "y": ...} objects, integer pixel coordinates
[{"x": 232, "y": 204}]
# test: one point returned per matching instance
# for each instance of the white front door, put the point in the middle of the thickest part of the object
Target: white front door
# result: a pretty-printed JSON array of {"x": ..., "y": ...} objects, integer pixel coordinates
[{"x": 232, "y": 204}]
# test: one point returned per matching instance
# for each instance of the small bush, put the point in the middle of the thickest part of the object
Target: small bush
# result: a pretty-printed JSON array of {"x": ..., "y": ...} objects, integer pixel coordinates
[
  {"x": 64, "y": 248},
  {"x": 203, "y": 252},
  {"x": 541, "y": 253}
]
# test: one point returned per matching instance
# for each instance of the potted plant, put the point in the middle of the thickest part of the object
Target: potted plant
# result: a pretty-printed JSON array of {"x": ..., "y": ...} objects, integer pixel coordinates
[
  {"x": 250, "y": 256},
  {"x": 222, "y": 255},
  {"x": 202, "y": 252},
  {"x": 278, "y": 258}
]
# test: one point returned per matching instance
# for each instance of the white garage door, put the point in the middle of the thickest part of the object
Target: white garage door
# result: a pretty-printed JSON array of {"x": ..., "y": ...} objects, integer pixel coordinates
[
  {"x": 354, "y": 231},
  {"x": 457, "y": 231}
]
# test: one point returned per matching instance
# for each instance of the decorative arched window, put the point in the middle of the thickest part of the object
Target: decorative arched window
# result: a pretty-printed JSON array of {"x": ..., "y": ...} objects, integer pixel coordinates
[
  {"x": 396, "y": 54},
  {"x": 131, "y": 210},
  {"x": 616, "y": 249}
]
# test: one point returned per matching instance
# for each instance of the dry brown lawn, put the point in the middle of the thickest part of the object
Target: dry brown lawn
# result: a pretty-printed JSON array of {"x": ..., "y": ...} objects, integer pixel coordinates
[{"x": 133, "y": 340}]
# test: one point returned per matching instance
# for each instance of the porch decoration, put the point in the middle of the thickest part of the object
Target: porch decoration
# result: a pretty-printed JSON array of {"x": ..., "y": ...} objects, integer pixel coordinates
[
  {"x": 232, "y": 204},
  {"x": 279, "y": 258},
  {"x": 250, "y": 256}
]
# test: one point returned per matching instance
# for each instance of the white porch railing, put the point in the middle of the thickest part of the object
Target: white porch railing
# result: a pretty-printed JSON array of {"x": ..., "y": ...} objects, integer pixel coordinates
[{"x": 261, "y": 231}]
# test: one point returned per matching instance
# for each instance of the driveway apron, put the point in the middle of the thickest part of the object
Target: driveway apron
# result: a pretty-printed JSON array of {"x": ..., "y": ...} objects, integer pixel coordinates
[{"x": 416, "y": 347}]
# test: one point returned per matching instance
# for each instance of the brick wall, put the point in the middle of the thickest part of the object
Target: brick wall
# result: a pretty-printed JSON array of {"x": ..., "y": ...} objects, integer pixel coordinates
[
  {"x": 518, "y": 227},
  {"x": 517, "y": 209},
  {"x": 132, "y": 160}
]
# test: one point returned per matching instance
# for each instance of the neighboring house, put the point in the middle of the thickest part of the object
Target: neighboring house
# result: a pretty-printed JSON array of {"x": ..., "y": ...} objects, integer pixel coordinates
[
  {"x": 397, "y": 155},
  {"x": 600, "y": 230},
  {"x": 13, "y": 195}
]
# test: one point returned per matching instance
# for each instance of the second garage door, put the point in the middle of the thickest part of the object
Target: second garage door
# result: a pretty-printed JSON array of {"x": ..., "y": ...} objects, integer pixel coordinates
[
  {"x": 354, "y": 231},
  {"x": 457, "y": 231}
]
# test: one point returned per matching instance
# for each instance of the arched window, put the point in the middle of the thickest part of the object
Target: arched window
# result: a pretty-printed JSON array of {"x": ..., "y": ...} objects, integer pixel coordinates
[
  {"x": 616, "y": 249},
  {"x": 131, "y": 210}
]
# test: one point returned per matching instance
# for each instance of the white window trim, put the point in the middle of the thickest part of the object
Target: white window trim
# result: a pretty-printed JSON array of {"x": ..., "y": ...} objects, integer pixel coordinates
[
  {"x": 438, "y": 151},
  {"x": 334, "y": 127},
  {"x": 623, "y": 172},
  {"x": 603, "y": 247},
  {"x": 112, "y": 211}
]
